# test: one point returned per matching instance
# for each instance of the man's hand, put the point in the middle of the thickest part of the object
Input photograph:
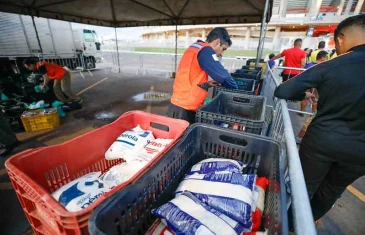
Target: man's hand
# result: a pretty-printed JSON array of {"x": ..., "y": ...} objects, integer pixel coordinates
[
  {"x": 43, "y": 87},
  {"x": 213, "y": 83},
  {"x": 309, "y": 97}
]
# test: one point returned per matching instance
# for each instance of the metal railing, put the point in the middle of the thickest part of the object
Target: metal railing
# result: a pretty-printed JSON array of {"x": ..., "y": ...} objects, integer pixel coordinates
[
  {"x": 145, "y": 63},
  {"x": 281, "y": 129},
  {"x": 139, "y": 63}
]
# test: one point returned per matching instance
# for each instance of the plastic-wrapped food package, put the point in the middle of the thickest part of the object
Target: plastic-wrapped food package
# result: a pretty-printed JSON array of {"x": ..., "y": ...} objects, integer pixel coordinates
[
  {"x": 185, "y": 214},
  {"x": 159, "y": 228},
  {"x": 80, "y": 193},
  {"x": 121, "y": 173},
  {"x": 128, "y": 144},
  {"x": 217, "y": 165},
  {"x": 152, "y": 149},
  {"x": 229, "y": 193},
  {"x": 259, "y": 202}
]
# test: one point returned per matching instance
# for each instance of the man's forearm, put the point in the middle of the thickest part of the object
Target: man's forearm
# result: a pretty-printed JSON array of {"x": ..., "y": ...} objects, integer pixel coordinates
[
  {"x": 46, "y": 80},
  {"x": 276, "y": 57}
]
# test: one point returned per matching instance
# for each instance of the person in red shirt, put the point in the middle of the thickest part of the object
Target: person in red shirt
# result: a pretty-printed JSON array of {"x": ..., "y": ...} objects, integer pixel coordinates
[
  {"x": 61, "y": 77},
  {"x": 294, "y": 57}
]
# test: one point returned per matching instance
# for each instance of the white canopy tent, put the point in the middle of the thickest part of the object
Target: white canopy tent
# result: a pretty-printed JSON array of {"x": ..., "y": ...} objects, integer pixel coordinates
[{"x": 132, "y": 13}]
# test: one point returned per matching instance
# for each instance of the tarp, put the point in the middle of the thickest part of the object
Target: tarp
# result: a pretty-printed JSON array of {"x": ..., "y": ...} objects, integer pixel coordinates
[{"x": 130, "y": 13}]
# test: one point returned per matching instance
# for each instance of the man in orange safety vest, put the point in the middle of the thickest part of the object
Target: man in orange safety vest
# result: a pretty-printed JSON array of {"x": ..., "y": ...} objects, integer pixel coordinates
[{"x": 191, "y": 84}]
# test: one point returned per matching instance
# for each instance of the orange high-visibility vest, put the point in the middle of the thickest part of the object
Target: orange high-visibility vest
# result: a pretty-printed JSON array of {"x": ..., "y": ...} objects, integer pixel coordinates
[
  {"x": 54, "y": 71},
  {"x": 186, "y": 92}
]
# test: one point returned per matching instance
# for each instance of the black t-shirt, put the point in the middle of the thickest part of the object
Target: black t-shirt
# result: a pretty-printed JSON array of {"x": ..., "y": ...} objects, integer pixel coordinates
[{"x": 338, "y": 129}]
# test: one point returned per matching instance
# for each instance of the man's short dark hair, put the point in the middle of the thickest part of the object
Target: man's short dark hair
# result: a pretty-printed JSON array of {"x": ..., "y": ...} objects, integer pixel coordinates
[
  {"x": 321, "y": 55},
  {"x": 297, "y": 41},
  {"x": 29, "y": 61},
  {"x": 271, "y": 56},
  {"x": 220, "y": 33},
  {"x": 321, "y": 44},
  {"x": 353, "y": 21}
]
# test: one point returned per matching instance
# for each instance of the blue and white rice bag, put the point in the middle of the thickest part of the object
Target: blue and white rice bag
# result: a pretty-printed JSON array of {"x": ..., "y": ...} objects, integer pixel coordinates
[
  {"x": 185, "y": 214},
  {"x": 217, "y": 165},
  {"x": 229, "y": 193},
  {"x": 80, "y": 193},
  {"x": 129, "y": 144}
]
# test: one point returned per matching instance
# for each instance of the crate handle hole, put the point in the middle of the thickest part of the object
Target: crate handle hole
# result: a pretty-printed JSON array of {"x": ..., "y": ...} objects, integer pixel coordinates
[
  {"x": 241, "y": 100},
  {"x": 233, "y": 140},
  {"x": 160, "y": 126}
]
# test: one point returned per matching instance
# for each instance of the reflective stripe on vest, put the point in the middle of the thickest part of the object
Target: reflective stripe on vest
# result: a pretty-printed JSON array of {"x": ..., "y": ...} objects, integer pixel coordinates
[
  {"x": 54, "y": 71},
  {"x": 186, "y": 92}
]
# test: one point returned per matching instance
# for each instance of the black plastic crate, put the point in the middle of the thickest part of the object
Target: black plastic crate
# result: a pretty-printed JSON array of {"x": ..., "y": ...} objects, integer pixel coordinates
[
  {"x": 230, "y": 108},
  {"x": 245, "y": 86},
  {"x": 129, "y": 211},
  {"x": 248, "y": 74}
]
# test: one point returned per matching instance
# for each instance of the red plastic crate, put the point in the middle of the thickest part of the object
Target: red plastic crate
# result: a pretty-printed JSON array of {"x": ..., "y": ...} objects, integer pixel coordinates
[{"x": 36, "y": 173}]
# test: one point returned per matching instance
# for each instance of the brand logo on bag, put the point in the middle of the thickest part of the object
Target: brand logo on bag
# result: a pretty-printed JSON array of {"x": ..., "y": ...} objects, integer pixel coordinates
[
  {"x": 92, "y": 199},
  {"x": 132, "y": 137}
]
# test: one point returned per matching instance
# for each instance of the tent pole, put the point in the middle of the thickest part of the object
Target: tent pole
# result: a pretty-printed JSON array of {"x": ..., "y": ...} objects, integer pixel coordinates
[
  {"x": 36, "y": 33},
  {"x": 262, "y": 34},
  {"x": 116, "y": 44},
  {"x": 176, "y": 46}
]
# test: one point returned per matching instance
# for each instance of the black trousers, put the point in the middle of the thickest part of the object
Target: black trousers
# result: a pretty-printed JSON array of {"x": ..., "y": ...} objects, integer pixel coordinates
[
  {"x": 180, "y": 113},
  {"x": 326, "y": 179}
]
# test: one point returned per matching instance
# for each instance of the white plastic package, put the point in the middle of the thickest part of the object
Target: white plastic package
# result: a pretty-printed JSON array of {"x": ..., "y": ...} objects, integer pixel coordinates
[
  {"x": 217, "y": 165},
  {"x": 121, "y": 173},
  {"x": 229, "y": 193},
  {"x": 152, "y": 149},
  {"x": 185, "y": 214},
  {"x": 128, "y": 144},
  {"x": 80, "y": 193}
]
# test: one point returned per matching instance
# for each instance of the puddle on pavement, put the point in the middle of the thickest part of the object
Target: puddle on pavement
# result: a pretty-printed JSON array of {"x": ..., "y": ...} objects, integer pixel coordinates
[
  {"x": 152, "y": 96},
  {"x": 107, "y": 112}
]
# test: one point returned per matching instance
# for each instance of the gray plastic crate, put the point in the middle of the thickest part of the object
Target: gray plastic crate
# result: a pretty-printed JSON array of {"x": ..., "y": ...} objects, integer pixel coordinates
[{"x": 229, "y": 108}]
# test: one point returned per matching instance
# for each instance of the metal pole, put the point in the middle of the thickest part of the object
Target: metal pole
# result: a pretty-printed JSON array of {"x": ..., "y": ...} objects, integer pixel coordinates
[
  {"x": 36, "y": 33},
  {"x": 262, "y": 33},
  {"x": 116, "y": 43},
  {"x": 302, "y": 213},
  {"x": 25, "y": 34},
  {"x": 176, "y": 46}
]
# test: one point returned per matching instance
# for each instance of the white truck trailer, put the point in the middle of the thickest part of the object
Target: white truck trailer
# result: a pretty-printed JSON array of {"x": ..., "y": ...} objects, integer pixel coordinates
[{"x": 58, "y": 41}]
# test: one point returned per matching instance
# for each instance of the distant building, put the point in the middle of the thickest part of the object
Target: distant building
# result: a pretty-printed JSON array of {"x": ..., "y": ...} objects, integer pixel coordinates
[{"x": 312, "y": 20}]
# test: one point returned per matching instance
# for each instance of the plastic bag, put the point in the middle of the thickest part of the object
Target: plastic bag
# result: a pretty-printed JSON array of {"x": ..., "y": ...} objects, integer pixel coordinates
[
  {"x": 121, "y": 173},
  {"x": 159, "y": 228},
  {"x": 259, "y": 202},
  {"x": 185, "y": 214},
  {"x": 38, "y": 89},
  {"x": 80, "y": 193},
  {"x": 229, "y": 193},
  {"x": 152, "y": 149},
  {"x": 128, "y": 144},
  {"x": 212, "y": 165}
]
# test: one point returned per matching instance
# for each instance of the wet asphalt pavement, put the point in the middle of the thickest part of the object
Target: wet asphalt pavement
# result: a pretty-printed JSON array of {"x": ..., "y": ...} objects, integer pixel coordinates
[{"x": 117, "y": 94}]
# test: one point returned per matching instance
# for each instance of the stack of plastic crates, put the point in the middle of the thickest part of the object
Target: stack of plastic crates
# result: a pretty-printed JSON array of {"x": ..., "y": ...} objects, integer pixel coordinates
[
  {"x": 129, "y": 211},
  {"x": 37, "y": 173},
  {"x": 232, "y": 110},
  {"x": 246, "y": 79}
]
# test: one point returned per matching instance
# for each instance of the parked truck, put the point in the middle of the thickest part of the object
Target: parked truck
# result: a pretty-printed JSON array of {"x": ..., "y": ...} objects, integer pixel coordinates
[{"x": 58, "y": 41}]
